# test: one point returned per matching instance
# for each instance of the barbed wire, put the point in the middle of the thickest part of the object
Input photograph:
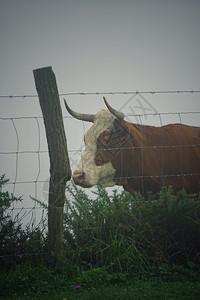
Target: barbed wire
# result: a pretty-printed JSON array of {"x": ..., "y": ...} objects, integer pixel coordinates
[
  {"x": 106, "y": 93},
  {"x": 131, "y": 92}
]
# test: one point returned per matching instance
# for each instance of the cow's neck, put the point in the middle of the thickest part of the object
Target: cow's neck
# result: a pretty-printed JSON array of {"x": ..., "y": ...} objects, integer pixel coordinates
[{"x": 133, "y": 160}]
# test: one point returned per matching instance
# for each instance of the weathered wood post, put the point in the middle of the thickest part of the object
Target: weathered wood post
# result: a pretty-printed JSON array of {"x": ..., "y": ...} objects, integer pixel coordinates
[{"x": 60, "y": 171}]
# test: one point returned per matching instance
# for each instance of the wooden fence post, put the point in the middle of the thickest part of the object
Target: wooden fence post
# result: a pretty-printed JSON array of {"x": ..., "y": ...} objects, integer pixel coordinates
[{"x": 60, "y": 171}]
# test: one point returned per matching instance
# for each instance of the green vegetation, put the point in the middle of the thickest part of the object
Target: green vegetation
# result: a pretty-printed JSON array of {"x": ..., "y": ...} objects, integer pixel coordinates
[
  {"x": 116, "y": 247},
  {"x": 40, "y": 283}
]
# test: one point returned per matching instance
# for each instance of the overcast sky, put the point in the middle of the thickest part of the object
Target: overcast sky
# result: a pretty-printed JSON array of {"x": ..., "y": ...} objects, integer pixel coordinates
[{"x": 93, "y": 46}]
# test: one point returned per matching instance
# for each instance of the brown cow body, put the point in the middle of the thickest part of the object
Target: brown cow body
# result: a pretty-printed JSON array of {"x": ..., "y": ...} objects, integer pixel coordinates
[
  {"x": 153, "y": 157},
  {"x": 138, "y": 157}
]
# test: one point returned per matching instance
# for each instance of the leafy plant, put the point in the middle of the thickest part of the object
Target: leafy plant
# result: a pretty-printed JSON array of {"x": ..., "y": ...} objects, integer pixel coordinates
[
  {"x": 17, "y": 244},
  {"x": 125, "y": 233}
]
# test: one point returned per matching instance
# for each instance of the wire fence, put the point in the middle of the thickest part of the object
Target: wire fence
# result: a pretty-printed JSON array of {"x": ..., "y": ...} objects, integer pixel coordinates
[
  {"x": 23, "y": 162},
  {"x": 24, "y": 153}
]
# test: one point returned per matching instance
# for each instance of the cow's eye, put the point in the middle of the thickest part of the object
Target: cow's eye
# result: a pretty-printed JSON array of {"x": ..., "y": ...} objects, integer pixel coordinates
[{"x": 106, "y": 138}]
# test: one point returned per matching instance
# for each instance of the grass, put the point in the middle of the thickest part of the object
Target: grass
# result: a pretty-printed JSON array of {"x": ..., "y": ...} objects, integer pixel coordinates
[
  {"x": 26, "y": 283},
  {"x": 131, "y": 290}
]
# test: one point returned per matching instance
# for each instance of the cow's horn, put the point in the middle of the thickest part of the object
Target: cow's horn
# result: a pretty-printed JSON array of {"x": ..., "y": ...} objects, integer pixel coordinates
[
  {"x": 83, "y": 117},
  {"x": 118, "y": 114}
]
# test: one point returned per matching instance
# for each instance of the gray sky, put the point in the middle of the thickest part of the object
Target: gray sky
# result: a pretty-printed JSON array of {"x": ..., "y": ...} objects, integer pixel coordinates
[
  {"x": 101, "y": 45},
  {"x": 93, "y": 46}
]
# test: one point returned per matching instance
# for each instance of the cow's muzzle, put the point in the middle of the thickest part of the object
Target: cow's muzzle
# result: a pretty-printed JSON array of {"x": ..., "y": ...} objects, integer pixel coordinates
[{"x": 80, "y": 179}]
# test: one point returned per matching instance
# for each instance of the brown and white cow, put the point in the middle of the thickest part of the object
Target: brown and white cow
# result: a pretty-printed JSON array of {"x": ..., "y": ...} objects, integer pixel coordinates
[{"x": 138, "y": 157}]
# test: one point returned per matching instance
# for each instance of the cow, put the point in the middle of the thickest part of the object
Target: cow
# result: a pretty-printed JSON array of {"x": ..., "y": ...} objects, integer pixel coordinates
[{"x": 141, "y": 158}]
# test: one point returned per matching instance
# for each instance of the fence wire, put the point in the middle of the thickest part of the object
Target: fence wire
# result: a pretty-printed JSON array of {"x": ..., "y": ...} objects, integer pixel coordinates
[
  {"x": 107, "y": 93},
  {"x": 17, "y": 152},
  {"x": 29, "y": 212}
]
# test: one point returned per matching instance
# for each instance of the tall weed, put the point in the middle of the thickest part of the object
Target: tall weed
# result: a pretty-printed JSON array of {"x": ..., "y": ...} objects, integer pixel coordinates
[{"x": 130, "y": 234}]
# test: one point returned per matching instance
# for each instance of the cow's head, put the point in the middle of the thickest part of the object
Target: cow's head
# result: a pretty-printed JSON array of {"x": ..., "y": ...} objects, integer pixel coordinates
[{"x": 102, "y": 147}]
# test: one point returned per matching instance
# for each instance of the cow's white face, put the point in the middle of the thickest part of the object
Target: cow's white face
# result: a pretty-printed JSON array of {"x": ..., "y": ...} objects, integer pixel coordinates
[{"x": 87, "y": 173}]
